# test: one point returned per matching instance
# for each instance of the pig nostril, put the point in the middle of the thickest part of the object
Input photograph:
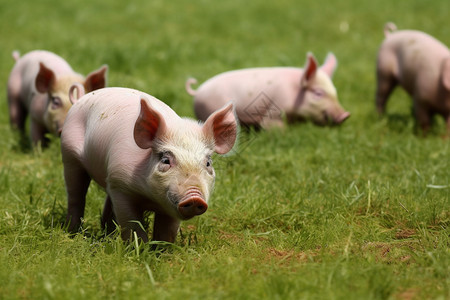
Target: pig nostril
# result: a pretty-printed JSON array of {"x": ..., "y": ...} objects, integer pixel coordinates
[
  {"x": 186, "y": 205},
  {"x": 200, "y": 208}
]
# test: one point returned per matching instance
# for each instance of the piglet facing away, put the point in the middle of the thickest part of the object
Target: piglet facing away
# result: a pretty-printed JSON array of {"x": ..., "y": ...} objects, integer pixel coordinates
[
  {"x": 145, "y": 156},
  {"x": 263, "y": 95},
  {"x": 421, "y": 65},
  {"x": 39, "y": 85}
]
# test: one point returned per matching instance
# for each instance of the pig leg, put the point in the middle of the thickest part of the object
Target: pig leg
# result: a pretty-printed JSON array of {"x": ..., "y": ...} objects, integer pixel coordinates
[
  {"x": 448, "y": 125},
  {"x": 385, "y": 86},
  {"x": 17, "y": 118},
  {"x": 165, "y": 228},
  {"x": 17, "y": 115},
  {"x": 129, "y": 216},
  {"x": 423, "y": 116},
  {"x": 38, "y": 132},
  {"x": 77, "y": 184},
  {"x": 108, "y": 217},
  {"x": 17, "y": 111}
]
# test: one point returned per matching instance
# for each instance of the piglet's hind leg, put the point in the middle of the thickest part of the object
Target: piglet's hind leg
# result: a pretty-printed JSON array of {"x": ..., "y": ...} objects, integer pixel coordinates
[
  {"x": 385, "y": 85},
  {"x": 77, "y": 183}
]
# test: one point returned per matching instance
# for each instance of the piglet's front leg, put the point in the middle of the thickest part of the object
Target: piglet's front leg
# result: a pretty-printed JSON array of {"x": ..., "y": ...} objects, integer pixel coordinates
[
  {"x": 165, "y": 228},
  {"x": 108, "y": 218},
  {"x": 130, "y": 216}
]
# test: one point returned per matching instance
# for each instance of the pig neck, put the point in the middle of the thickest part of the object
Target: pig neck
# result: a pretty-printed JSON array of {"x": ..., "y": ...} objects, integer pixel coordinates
[
  {"x": 291, "y": 114},
  {"x": 299, "y": 98}
]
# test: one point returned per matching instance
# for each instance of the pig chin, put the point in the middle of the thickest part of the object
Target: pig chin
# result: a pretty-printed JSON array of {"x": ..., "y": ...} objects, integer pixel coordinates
[
  {"x": 53, "y": 127},
  {"x": 57, "y": 128}
]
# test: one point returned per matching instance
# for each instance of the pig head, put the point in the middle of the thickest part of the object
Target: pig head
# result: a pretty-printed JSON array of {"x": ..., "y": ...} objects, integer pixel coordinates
[
  {"x": 39, "y": 86},
  {"x": 145, "y": 156},
  {"x": 421, "y": 65},
  {"x": 265, "y": 96},
  {"x": 317, "y": 99}
]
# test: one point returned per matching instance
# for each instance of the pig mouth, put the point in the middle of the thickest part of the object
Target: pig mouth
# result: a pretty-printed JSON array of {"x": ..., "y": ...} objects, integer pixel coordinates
[
  {"x": 192, "y": 204},
  {"x": 58, "y": 128}
]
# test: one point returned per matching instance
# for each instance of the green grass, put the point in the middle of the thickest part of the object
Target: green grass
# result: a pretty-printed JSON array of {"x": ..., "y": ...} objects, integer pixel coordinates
[{"x": 359, "y": 211}]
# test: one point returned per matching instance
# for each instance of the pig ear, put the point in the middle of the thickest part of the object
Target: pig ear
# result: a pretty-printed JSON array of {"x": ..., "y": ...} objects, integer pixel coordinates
[
  {"x": 310, "y": 69},
  {"x": 222, "y": 127},
  {"x": 330, "y": 64},
  {"x": 96, "y": 79},
  {"x": 446, "y": 74},
  {"x": 44, "y": 79},
  {"x": 149, "y": 125}
]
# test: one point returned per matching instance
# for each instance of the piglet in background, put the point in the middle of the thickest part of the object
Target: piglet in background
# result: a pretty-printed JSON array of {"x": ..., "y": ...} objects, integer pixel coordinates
[
  {"x": 421, "y": 65},
  {"x": 145, "y": 156},
  {"x": 265, "y": 96},
  {"x": 39, "y": 86}
]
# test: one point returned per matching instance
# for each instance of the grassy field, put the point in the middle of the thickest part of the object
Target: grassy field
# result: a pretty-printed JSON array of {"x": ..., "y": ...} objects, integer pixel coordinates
[{"x": 359, "y": 211}]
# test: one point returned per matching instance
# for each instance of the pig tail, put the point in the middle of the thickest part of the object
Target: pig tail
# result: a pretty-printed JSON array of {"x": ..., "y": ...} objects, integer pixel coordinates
[
  {"x": 16, "y": 55},
  {"x": 79, "y": 92},
  {"x": 188, "y": 87},
  {"x": 389, "y": 28}
]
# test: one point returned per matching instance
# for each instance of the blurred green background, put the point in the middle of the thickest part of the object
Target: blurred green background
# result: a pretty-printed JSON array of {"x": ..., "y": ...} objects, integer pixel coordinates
[{"x": 359, "y": 211}]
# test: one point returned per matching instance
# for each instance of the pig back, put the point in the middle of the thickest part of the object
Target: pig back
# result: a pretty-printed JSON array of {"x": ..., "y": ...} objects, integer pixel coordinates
[{"x": 256, "y": 92}]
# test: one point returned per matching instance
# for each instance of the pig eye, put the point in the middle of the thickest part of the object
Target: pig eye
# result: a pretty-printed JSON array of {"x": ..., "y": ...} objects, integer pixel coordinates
[
  {"x": 209, "y": 162},
  {"x": 318, "y": 93},
  {"x": 55, "y": 102},
  {"x": 209, "y": 167},
  {"x": 166, "y": 161}
]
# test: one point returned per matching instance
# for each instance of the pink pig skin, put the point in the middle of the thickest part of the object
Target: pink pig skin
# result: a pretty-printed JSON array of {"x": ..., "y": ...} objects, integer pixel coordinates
[
  {"x": 145, "y": 156},
  {"x": 38, "y": 85},
  {"x": 421, "y": 65},
  {"x": 263, "y": 95}
]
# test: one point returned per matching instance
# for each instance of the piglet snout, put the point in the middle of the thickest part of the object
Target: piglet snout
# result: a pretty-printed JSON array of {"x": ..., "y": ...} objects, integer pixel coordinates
[
  {"x": 342, "y": 117},
  {"x": 192, "y": 204}
]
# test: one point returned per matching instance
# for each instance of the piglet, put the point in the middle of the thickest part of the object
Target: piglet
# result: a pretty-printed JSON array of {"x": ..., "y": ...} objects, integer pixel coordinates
[
  {"x": 145, "y": 156},
  {"x": 39, "y": 86},
  {"x": 421, "y": 65},
  {"x": 263, "y": 96}
]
